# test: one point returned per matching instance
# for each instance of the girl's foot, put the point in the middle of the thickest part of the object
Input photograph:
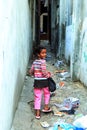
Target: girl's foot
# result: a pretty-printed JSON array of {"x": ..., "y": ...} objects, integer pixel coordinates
[
  {"x": 37, "y": 117},
  {"x": 46, "y": 109},
  {"x": 37, "y": 114}
]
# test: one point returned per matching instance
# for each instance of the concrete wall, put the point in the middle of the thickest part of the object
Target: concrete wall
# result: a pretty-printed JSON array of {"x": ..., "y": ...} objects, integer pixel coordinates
[
  {"x": 74, "y": 15},
  {"x": 83, "y": 45},
  {"x": 68, "y": 29},
  {"x": 62, "y": 13},
  {"x": 15, "y": 49},
  {"x": 76, "y": 25},
  {"x": 70, "y": 25}
]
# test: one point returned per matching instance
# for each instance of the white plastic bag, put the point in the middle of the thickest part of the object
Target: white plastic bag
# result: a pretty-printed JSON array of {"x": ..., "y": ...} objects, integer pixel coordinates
[{"x": 81, "y": 122}]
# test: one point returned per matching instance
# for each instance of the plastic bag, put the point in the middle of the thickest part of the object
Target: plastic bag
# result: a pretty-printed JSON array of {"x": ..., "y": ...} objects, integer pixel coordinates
[
  {"x": 64, "y": 126},
  {"x": 81, "y": 122}
]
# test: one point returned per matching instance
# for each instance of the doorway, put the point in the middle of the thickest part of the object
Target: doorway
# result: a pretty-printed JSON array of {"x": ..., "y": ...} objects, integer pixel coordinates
[{"x": 43, "y": 20}]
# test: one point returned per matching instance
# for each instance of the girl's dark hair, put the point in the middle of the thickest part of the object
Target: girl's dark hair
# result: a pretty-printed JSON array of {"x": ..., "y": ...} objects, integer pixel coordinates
[{"x": 38, "y": 49}]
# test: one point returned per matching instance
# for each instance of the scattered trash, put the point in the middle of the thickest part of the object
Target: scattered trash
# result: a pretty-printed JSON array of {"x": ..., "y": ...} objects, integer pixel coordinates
[
  {"x": 61, "y": 84},
  {"x": 58, "y": 113},
  {"x": 64, "y": 109},
  {"x": 55, "y": 109},
  {"x": 64, "y": 126},
  {"x": 71, "y": 102},
  {"x": 68, "y": 105},
  {"x": 63, "y": 79},
  {"x": 60, "y": 71},
  {"x": 44, "y": 124},
  {"x": 71, "y": 111},
  {"x": 81, "y": 122},
  {"x": 59, "y": 63},
  {"x": 64, "y": 75}
]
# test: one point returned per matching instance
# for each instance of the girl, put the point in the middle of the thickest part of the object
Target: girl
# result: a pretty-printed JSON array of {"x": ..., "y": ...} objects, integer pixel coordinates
[{"x": 38, "y": 69}]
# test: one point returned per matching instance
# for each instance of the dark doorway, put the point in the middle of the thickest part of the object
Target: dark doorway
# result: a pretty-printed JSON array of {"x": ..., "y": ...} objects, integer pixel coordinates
[{"x": 43, "y": 23}]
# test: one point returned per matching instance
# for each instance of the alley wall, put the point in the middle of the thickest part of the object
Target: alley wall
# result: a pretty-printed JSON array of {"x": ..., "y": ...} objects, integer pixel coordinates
[
  {"x": 15, "y": 50},
  {"x": 73, "y": 24}
]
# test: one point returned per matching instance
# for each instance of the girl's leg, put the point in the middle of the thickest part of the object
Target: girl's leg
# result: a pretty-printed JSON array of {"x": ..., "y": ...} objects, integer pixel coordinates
[
  {"x": 46, "y": 97},
  {"x": 37, "y": 100}
]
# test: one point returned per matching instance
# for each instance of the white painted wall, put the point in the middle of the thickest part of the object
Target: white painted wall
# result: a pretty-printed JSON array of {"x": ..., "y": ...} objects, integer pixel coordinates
[
  {"x": 15, "y": 46},
  {"x": 78, "y": 42},
  {"x": 83, "y": 45},
  {"x": 77, "y": 50},
  {"x": 74, "y": 14},
  {"x": 83, "y": 55},
  {"x": 68, "y": 42}
]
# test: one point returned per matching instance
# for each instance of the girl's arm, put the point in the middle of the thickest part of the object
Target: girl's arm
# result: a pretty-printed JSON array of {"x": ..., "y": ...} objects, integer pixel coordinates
[
  {"x": 31, "y": 71},
  {"x": 45, "y": 73}
]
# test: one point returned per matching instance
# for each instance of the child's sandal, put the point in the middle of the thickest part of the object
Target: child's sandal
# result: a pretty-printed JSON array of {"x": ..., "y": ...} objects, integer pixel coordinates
[
  {"x": 48, "y": 110},
  {"x": 37, "y": 117}
]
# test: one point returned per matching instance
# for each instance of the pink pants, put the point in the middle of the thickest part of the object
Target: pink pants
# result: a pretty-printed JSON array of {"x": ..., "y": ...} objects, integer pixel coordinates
[{"x": 38, "y": 96}]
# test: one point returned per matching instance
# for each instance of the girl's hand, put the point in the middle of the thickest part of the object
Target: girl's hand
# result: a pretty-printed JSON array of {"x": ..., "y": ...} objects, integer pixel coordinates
[
  {"x": 48, "y": 75},
  {"x": 30, "y": 72}
]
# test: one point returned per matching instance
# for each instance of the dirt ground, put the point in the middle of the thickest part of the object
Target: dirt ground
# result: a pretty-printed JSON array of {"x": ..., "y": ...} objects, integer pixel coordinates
[{"x": 66, "y": 88}]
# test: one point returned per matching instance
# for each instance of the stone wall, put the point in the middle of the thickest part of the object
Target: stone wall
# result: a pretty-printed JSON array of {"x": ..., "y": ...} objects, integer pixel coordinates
[{"x": 15, "y": 49}]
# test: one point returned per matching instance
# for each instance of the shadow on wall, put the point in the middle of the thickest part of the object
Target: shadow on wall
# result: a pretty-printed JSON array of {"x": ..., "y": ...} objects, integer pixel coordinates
[{"x": 29, "y": 3}]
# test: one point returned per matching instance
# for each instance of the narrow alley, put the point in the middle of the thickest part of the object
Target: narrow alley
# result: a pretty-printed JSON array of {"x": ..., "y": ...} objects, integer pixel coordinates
[
  {"x": 61, "y": 25},
  {"x": 25, "y": 118}
]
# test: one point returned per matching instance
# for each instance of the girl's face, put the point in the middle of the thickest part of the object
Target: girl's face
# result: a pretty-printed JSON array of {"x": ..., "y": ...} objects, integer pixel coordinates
[{"x": 42, "y": 54}]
